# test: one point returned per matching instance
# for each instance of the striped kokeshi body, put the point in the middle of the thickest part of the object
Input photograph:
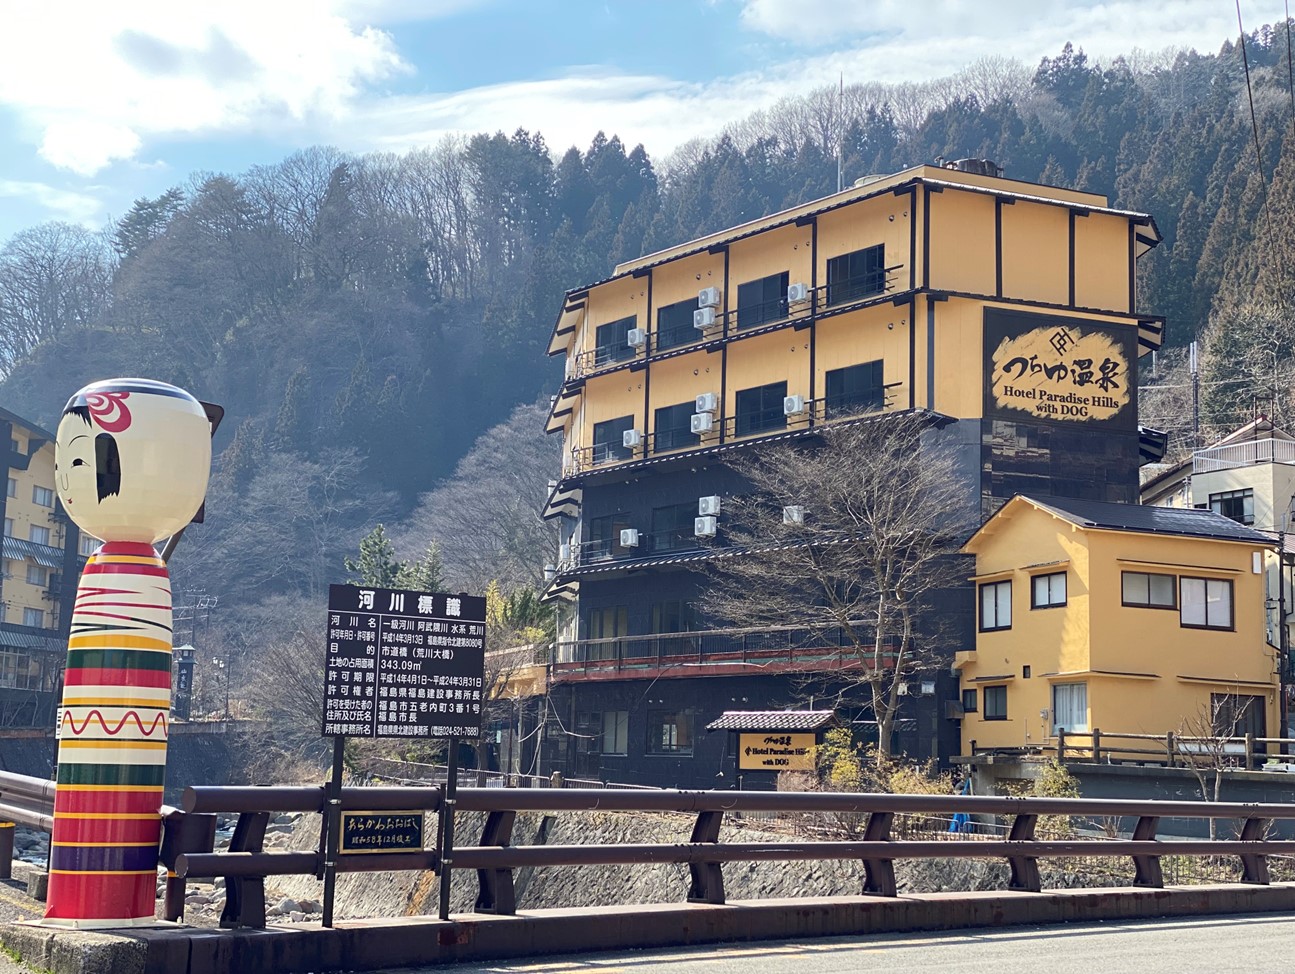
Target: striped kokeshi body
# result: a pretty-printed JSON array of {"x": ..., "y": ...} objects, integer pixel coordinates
[{"x": 112, "y": 746}]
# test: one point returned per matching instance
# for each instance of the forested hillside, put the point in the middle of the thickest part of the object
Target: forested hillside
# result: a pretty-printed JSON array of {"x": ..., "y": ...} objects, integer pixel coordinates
[{"x": 364, "y": 319}]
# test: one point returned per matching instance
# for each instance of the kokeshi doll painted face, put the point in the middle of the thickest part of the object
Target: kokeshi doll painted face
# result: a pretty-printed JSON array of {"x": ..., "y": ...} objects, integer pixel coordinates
[{"x": 132, "y": 459}]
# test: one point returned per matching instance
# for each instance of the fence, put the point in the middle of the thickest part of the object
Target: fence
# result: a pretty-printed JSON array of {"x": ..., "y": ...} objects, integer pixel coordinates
[{"x": 1171, "y": 749}]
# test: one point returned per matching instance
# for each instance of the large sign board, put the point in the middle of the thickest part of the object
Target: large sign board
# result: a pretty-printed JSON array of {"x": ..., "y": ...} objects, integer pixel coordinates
[
  {"x": 776, "y": 751},
  {"x": 404, "y": 664},
  {"x": 367, "y": 832},
  {"x": 1056, "y": 369}
]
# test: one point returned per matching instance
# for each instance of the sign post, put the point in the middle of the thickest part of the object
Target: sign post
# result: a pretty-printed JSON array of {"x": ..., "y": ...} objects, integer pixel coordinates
[{"x": 400, "y": 664}]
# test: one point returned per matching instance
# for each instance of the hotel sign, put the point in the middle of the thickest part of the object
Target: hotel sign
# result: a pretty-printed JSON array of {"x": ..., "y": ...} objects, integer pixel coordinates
[
  {"x": 1069, "y": 370},
  {"x": 776, "y": 752}
]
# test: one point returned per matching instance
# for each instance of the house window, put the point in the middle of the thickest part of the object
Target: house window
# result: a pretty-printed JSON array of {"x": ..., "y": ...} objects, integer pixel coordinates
[
  {"x": 37, "y": 575},
  {"x": 1069, "y": 707},
  {"x": 996, "y": 703},
  {"x": 608, "y": 622},
  {"x": 609, "y": 439},
  {"x": 612, "y": 341},
  {"x": 616, "y": 725},
  {"x": 604, "y": 539},
  {"x": 673, "y": 615},
  {"x": 12, "y": 488},
  {"x": 672, "y": 527},
  {"x": 1153, "y": 591},
  {"x": 1236, "y": 504},
  {"x": 762, "y": 301},
  {"x": 669, "y": 732},
  {"x": 38, "y": 533},
  {"x": 88, "y": 545},
  {"x": 856, "y": 275},
  {"x": 1048, "y": 591},
  {"x": 8, "y": 527},
  {"x": 968, "y": 701},
  {"x": 1206, "y": 603},
  {"x": 20, "y": 670},
  {"x": 42, "y": 496},
  {"x": 672, "y": 428},
  {"x": 1237, "y": 714},
  {"x": 855, "y": 389},
  {"x": 760, "y": 409},
  {"x": 995, "y": 606},
  {"x": 674, "y": 324},
  {"x": 33, "y": 617}
]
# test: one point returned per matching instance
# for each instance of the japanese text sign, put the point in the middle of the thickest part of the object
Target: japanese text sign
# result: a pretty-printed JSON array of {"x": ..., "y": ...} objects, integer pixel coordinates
[
  {"x": 381, "y": 832},
  {"x": 404, "y": 664},
  {"x": 777, "y": 751}
]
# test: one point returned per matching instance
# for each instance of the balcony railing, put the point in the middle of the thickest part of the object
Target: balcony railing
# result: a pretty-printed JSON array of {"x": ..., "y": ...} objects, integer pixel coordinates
[
  {"x": 791, "y": 644},
  {"x": 835, "y": 297},
  {"x": 1229, "y": 456}
]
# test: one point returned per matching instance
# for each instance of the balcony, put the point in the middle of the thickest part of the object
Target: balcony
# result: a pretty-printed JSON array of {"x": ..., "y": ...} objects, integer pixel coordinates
[
  {"x": 781, "y": 647},
  {"x": 1229, "y": 456},
  {"x": 824, "y": 300}
]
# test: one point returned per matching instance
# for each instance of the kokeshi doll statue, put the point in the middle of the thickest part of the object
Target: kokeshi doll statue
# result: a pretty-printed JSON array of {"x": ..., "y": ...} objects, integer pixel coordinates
[{"x": 131, "y": 465}]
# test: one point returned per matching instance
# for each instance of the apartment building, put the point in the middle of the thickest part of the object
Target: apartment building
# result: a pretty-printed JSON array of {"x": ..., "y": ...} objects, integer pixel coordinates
[
  {"x": 43, "y": 555},
  {"x": 1004, "y": 312}
]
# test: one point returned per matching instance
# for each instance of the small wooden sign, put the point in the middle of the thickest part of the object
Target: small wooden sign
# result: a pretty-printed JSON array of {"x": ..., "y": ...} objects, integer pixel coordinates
[
  {"x": 776, "y": 751},
  {"x": 381, "y": 832}
]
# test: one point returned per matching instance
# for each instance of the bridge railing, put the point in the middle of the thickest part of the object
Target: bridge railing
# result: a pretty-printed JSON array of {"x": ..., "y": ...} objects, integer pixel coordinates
[{"x": 495, "y": 858}]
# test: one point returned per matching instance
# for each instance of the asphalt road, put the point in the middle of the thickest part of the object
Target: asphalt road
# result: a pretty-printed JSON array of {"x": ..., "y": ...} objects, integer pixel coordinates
[{"x": 1215, "y": 944}]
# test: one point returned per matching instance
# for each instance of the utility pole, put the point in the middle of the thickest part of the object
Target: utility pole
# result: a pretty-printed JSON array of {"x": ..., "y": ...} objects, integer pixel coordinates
[
  {"x": 840, "y": 134},
  {"x": 1196, "y": 397}
]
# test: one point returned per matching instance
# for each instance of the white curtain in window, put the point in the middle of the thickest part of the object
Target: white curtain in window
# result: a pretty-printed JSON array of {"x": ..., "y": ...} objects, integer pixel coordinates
[{"x": 1070, "y": 707}]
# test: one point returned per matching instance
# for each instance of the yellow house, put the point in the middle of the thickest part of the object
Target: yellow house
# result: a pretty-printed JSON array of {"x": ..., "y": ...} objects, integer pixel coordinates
[{"x": 1124, "y": 618}]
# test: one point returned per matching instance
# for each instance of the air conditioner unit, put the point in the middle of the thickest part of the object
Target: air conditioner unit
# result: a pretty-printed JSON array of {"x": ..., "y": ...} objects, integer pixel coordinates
[
  {"x": 564, "y": 552},
  {"x": 629, "y": 537},
  {"x": 636, "y": 338},
  {"x": 902, "y": 689},
  {"x": 793, "y": 405},
  {"x": 707, "y": 402},
  {"x": 704, "y": 527},
  {"x": 797, "y": 293},
  {"x": 703, "y": 318},
  {"x": 794, "y": 514},
  {"x": 928, "y": 688},
  {"x": 631, "y": 439},
  {"x": 708, "y": 506},
  {"x": 701, "y": 423},
  {"x": 708, "y": 297}
]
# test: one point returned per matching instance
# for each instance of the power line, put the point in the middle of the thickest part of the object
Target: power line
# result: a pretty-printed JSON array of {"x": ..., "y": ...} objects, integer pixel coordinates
[{"x": 1254, "y": 124}]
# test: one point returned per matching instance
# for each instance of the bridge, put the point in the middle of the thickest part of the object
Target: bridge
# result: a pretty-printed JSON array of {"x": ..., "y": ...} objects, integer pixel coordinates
[{"x": 702, "y": 913}]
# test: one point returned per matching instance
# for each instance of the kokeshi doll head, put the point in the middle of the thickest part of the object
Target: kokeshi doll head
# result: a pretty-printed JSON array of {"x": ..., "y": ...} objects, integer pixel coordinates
[{"x": 132, "y": 459}]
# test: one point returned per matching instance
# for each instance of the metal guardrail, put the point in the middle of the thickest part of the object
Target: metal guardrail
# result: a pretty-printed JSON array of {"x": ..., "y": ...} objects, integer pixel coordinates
[
  {"x": 1246, "y": 453},
  {"x": 495, "y": 858},
  {"x": 1172, "y": 749}
]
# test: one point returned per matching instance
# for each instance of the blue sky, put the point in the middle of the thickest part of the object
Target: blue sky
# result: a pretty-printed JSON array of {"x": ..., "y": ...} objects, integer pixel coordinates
[{"x": 103, "y": 102}]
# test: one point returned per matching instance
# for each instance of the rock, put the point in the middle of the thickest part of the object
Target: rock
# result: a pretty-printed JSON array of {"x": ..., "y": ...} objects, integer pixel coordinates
[
  {"x": 199, "y": 898},
  {"x": 311, "y": 906},
  {"x": 285, "y": 905},
  {"x": 219, "y": 883},
  {"x": 296, "y": 916}
]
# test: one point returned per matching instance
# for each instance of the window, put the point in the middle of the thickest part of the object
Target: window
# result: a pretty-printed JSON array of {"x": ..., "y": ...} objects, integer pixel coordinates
[
  {"x": 605, "y": 537},
  {"x": 760, "y": 409},
  {"x": 968, "y": 701},
  {"x": 33, "y": 617},
  {"x": 609, "y": 439},
  {"x": 1206, "y": 603},
  {"x": 1069, "y": 707},
  {"x": 616, "y": 725},
  {"x": 674, "y": 324},
  {"x": 42, "y": 496},
  {"x": 38, "y": 533},
  {"x": 672, "y": 428},
  {"x": 762, "y": 301},
  {"x": 8, "y": 527},
  {"x": 37, "y": 575},
  {"x": 1048, "y": 591},
  {"x": 995, "y": 607},
  {"x": 612, "y": 341},
  {"x": 12, "y": 489},
  {"x": 20, "y": 670},
  {"x": 607, "y": 622},
  {"x": 673, "y": 615},
  {"x": 1154, "y": 591},
  {"x": 855, "y": 389},
  {"x": 995, "y": 703},
  {"x": 88, "y": 545},
  {"x": 1237, "y": 714},
  {"x": 672, "y": 527},
  {"x": 857, "y": 275},
  {"x": 669, "y": 732},
  {"x": 1236, "y": 504}
]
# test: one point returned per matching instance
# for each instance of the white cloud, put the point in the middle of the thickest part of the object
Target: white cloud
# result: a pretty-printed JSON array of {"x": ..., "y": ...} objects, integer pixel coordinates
[
  {"x": 94, "y": 84},
  {"x": 65, "y": 204}
]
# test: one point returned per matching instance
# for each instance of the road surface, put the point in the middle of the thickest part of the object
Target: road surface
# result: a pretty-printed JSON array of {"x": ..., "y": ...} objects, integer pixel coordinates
[{"x": 1216, "y": 944}]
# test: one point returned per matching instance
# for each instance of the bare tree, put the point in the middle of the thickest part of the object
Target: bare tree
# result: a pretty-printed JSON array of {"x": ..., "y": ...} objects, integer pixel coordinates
[
  {"x": 1206, "y": 744},
  {"x": 884, "y": 509}
]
